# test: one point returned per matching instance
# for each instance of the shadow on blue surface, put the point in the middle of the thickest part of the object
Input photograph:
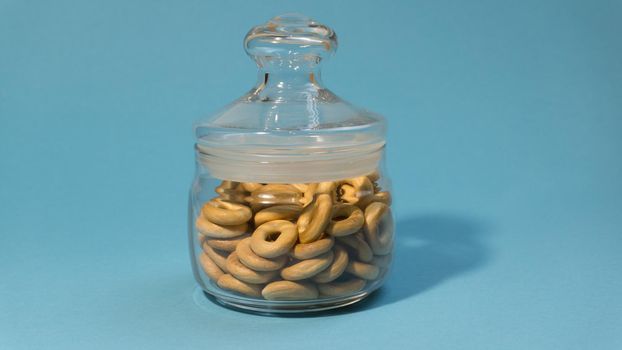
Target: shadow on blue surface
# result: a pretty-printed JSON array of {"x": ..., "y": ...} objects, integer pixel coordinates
[{"x": 429, "y": 250}]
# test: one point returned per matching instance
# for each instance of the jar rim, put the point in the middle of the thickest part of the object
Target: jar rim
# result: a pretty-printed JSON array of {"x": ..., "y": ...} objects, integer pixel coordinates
[{"x": 227, "y": 164}]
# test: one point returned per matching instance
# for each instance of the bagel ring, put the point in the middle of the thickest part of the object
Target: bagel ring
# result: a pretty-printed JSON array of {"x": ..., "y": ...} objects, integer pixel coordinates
[
  {"x": 219, "y": 259},
  {"x": 274, "y": 194},
  {"x": 362, "y": 249},
  {"x": 354, "y": 220},
  {"x": 230, "y": 191},
  {"x": 301, "y": 187},
  {"x": 383, "y": 197},
  {"x": 304, "y": 251},
  {"x": 290, "y": 290},
  {"x": 244, "y": 274},
  {"x": 336, "y": 268},
  {"x": 379, "y": 228},
  {"x": 328, "y": 187},
  {"x": 363, "y": 270},
  {"x": 251, "y": 186},
  {"x": 255, "y": 207},
  {"x": 223, "y": 212},
  {"x": 374, "y": 176},
  {"x": 236, "y": 197},
  {"x": 358, "y": 190},
  {"x": 263, "y": 244},
  {"x": 256, "y": 262},
  {"x": 231, "y": 283},
  {"x": 212, "y": 230},
  {"x": 209, "y": 267},
  {"x": 277, "y": 212},
  {"x": 336, "y": 289},
  {"x": 307, "y": 268},
  {"x": 226, "y": 245},
  {"x": 314, "y": 218},
  {"x": 227, "y": 185},
  {"x": 346, "y": 193}
]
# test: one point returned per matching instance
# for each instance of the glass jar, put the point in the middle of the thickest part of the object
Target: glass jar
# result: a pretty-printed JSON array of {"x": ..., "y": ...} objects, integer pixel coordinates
[{"x": 290, "y": 205}]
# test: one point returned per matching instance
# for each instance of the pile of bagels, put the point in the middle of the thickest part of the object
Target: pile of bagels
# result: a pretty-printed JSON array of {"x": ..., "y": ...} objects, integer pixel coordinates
[{"x": 296, "y": 241}]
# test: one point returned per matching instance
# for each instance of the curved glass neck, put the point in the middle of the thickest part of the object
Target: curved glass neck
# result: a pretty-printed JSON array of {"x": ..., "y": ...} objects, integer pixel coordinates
[{"x": 281, "y": 81}]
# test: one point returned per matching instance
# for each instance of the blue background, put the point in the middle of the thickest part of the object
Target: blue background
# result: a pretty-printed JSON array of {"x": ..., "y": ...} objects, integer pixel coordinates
[{"x": 505, "y": 147}]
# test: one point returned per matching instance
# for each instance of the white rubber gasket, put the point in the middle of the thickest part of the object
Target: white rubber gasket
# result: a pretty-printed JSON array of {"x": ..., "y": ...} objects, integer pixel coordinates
[{"x": 302, "y": 168}]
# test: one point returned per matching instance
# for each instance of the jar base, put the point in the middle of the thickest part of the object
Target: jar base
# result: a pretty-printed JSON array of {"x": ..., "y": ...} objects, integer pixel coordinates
[{"x": 266, "y": 307}]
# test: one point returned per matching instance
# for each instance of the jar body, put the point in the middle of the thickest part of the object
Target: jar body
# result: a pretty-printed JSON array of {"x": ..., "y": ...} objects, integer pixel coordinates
[
  {"x": 290, "y": 206},
  {"x": 290, "y": 247}
]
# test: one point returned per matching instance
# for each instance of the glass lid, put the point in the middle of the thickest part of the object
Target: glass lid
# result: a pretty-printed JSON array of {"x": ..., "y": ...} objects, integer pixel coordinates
[{"x": 289, "y": 116}]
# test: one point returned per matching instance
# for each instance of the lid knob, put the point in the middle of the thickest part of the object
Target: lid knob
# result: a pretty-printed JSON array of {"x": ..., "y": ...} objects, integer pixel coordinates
[{"x": 290, "y": 38}]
